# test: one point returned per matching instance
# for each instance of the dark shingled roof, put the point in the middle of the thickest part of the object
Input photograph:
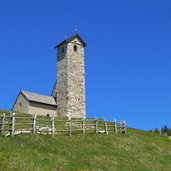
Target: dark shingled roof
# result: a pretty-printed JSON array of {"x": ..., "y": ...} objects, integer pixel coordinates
[
  {"x": 70, "y": 39},
  {"x": 33, "y": 97}
]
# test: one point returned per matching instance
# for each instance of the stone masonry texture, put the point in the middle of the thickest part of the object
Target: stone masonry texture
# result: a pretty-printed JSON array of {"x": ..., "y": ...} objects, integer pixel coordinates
[{"x": 70, "y": 89}]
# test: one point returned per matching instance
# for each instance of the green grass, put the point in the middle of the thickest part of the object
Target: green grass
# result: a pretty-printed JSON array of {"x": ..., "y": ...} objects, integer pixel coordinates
[{"x": 137, "y": 150}]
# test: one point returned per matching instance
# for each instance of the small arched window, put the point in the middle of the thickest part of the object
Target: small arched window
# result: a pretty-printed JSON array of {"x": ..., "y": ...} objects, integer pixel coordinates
[
  {"x": 20, "y": 105},
  {"x": 75, "y": 48}
]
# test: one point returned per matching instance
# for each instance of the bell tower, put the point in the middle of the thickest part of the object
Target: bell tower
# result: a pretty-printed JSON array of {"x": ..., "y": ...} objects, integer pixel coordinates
[{"x": 69, "y": 90}]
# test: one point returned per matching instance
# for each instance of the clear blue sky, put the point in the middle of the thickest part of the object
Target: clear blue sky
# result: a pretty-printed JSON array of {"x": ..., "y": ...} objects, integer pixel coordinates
[{"x": 128, "y": 57}]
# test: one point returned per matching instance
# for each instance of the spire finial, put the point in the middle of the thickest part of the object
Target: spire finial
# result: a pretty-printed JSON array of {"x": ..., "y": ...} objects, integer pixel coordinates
[
  {"x": 76, "y": 30},
  {"x": 65, "y": 36}
]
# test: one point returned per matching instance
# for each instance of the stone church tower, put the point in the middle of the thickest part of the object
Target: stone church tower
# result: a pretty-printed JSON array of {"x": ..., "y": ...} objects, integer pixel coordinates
[{"x": 69, "y": 90}]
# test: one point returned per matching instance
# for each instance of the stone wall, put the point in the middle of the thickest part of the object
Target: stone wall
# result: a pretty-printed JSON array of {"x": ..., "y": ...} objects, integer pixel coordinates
[
  {"x": 76, "y": 84},
  {"x": 62, "y": 81},
  {"x": 71, "y": 83},
  {"x": 54, "y": 91}
]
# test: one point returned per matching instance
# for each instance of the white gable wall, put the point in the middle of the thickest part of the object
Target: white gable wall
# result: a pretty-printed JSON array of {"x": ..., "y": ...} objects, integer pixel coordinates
[{"x": 21, "y": 104}]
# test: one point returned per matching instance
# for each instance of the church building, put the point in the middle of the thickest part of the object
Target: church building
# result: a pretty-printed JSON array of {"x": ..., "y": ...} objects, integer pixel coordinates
[{"x": 68, "y": 95}]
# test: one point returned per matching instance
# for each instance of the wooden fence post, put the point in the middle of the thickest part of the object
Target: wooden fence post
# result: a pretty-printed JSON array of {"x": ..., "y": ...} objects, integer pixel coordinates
[
  {"x": 3, "y": 123},
  {"x": 123, "y": 127},
  {"x": 34, "y": 123},
  {"x": 53, "y": 126},
  {"x": 12, "y": 124},
  {"x": 96, "y": 126},
  {"x": 105, "y": 126},
  {"x": 83, "y": 126},
  {"x": 69, "y": 126},
  {"x": 115, "y": 126}
]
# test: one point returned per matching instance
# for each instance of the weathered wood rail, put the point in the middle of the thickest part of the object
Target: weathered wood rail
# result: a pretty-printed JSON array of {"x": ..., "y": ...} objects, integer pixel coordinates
[{"x": 11, "y": 125}]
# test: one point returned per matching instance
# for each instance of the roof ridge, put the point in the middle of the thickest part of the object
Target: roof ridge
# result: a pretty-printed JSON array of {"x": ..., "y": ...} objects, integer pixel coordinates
[{"x": 34, "y": 93}]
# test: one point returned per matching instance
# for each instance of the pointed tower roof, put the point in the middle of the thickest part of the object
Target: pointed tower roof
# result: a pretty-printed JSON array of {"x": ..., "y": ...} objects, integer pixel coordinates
[{"x": 70, "y": 39}]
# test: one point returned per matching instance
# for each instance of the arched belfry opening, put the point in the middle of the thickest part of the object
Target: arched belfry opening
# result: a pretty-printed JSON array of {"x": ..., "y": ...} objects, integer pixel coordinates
[{"x": 75, "y": 48}]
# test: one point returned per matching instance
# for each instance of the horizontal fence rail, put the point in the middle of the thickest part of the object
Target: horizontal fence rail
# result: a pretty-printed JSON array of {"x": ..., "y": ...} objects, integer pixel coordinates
[{"x": 11, "y": 125}]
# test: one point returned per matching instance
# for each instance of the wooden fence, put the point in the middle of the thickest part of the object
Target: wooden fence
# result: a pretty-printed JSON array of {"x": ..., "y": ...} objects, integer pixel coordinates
[{"x": 11, "y": 125}]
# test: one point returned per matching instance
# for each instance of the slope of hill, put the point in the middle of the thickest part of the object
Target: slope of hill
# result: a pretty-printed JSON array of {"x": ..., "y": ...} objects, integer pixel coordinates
[{"x": 137, "y": 150}]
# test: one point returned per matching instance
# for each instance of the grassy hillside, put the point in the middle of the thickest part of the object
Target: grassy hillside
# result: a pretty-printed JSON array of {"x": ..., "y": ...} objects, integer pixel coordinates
[{"x": 138, "y": 150}]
